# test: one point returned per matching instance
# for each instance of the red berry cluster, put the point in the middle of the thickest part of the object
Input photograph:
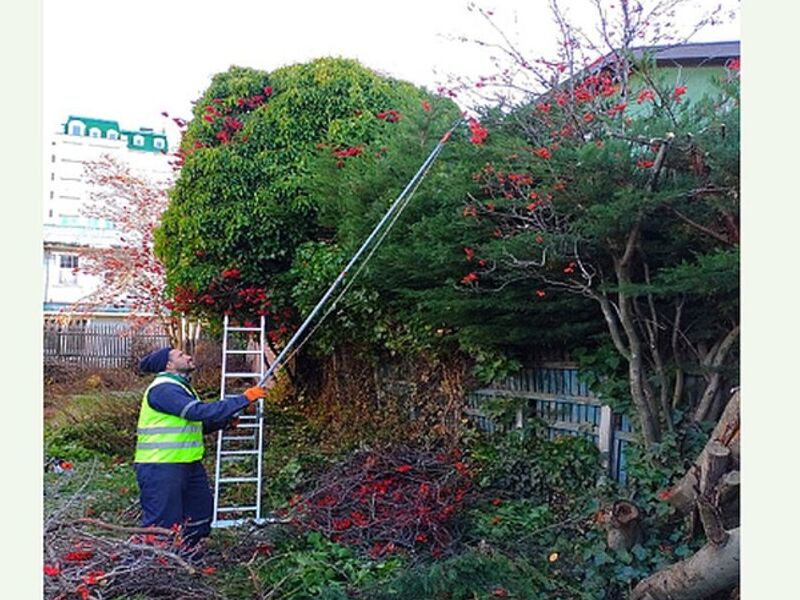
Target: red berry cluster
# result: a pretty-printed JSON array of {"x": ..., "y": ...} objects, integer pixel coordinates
[{"x": 390, "y": 116}]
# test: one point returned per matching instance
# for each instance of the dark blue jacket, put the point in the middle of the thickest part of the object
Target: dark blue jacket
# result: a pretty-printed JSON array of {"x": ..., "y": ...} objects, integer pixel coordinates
[{"x": 174, "y": 400}]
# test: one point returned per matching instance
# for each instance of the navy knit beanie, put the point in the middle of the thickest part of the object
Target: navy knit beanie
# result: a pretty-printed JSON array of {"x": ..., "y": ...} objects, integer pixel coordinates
[{"x": 155, "y": 362}]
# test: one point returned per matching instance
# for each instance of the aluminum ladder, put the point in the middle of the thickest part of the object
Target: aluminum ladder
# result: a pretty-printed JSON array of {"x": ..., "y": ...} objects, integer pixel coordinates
[{"x": 238, "y": 466}]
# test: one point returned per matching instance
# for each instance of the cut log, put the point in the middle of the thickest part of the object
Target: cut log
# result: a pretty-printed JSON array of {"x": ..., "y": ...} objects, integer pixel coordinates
[
  {"x": 711, "y": 519},
  {"x": 728, "y": 488},
  {"x": 715, "y": 463},
  {"x": 684, "y": 493},
  {"x": 712, "y": 569},
  {"x": 728, "y": 499}
]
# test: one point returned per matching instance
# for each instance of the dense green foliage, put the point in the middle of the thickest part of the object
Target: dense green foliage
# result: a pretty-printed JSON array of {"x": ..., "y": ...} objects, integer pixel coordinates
[
  {"x": 624, "y": 194},
  {"x": 243, "y": 201},
  {"x": 409, "y": 295}
]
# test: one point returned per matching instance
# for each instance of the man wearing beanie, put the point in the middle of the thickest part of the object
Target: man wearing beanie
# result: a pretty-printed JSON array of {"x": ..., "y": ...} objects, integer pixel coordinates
[{"x": 173, "y": 485}]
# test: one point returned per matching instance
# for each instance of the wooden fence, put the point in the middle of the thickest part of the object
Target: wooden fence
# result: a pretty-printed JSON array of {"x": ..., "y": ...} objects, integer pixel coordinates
[
  {"x": 556, "y": 395},
  {"x": 98, "y": 345}
]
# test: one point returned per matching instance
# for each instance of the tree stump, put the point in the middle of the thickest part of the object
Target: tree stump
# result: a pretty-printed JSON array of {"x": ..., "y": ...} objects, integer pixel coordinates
[{"x": 623, "y": 524}]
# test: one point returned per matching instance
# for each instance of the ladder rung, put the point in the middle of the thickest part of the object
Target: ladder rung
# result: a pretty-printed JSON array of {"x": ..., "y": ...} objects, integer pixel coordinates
[
  {"x": 243, "y": 352},
  {"x": 238, "y": 479},
  {"x": 243, "y": 374},
  {"x": 230, "y": 509},
  {"x": 244, "y": 328},
  {"x": 247, "y": 426},
  {"x": 235, "y": 452},
  {"x": 239, "y": 438},
  {"x": 220, "y": 523}
]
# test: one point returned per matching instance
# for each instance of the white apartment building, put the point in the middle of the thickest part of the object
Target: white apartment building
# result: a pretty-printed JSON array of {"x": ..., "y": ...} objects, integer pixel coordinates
[{"x": 81, "y": 140}]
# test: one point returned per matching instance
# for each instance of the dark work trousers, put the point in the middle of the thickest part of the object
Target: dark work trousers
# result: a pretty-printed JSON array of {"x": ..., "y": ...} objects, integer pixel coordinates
[{"x": 173, "y": 493}]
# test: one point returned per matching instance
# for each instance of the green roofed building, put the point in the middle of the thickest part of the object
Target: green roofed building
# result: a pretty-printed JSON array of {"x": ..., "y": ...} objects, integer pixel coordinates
[{"x": 143, "y": 139}]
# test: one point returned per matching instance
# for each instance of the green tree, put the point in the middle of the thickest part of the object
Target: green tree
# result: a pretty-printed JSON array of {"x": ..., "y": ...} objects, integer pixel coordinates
[
  {"x": 623, "y": 192},
  {"x": 241, "y": 205},
  {"x": 411, "y": 295},
  {"x": 607, "y": 202}
]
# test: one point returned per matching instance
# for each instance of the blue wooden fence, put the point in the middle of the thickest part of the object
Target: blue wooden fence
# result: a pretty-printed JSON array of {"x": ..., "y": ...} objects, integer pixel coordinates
[{"x": 555, "y": 394}]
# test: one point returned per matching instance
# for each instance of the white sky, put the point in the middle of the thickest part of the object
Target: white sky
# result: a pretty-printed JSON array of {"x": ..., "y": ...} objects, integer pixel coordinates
[{"x": 131, "y": 59}]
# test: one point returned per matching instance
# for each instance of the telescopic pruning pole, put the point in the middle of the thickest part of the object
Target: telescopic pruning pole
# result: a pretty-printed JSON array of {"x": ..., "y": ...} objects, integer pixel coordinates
[{"x": 276, "y": 364}]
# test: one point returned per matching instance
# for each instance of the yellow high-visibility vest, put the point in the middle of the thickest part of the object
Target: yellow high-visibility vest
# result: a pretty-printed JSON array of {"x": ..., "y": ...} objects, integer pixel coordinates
[{"x": 163, "y": 438}]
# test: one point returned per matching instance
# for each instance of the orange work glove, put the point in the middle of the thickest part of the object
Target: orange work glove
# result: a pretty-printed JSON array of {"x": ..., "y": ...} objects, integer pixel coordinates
[{"x": 254, "y": 393}]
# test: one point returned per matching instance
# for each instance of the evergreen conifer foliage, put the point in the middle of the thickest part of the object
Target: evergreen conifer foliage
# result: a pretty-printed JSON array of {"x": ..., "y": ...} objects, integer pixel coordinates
[{"x": 624, "y": 193}]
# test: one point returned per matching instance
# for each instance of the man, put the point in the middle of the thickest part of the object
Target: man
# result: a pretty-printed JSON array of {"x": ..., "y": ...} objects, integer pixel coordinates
[{"x": 173, "y": 485}]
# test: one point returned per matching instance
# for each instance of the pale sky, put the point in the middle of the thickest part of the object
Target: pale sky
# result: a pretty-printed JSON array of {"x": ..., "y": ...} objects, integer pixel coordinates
[{"x": 130, "y": 60}]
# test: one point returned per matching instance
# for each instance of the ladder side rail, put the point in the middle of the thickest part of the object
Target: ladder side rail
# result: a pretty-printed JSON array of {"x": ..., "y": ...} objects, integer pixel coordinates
[
  {"x": 260, "y": 456},
  {"x": 218, "y": 462}
]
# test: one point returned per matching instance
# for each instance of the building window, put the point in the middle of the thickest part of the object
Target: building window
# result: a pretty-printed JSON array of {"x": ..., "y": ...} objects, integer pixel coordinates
[
  {"x": 69, "y": 220},
  {"x": 76, "y": 128},
  {"x": 112, "y": 134},
  {"x": 95, "y": 132},
  {"x": 158, "y": 143},
  {"x": 67, "y": 267},
  {"x": 68, "y": 261},
  {"x": 138, "y": 140}
]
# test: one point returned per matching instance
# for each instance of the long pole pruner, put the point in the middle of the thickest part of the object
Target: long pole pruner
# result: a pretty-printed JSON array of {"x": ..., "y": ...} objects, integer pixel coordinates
[{"x": 390, "y": 213}]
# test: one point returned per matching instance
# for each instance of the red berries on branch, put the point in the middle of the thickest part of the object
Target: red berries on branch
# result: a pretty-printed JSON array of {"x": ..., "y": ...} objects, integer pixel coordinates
[
  {"x": 390, "y": 116},
  {"x": 479, "y": 133},
  {"x": 645, "y": 95}
]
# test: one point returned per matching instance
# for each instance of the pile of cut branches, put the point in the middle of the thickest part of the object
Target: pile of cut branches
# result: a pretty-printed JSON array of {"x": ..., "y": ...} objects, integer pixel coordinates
[
  {"x": 82, "y": 563},
  {"x": 387, "y": 500}
]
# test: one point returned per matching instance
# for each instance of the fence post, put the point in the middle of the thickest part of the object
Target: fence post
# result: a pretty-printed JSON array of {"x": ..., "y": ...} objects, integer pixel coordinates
[
  {"x": 605, "y": 435},
  {"x": 519, "y": 418}
]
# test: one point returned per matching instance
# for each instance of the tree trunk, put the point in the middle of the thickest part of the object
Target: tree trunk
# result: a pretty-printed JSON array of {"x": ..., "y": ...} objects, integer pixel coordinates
[
  {"x": 645, "y": 405},
  {"x": 716, "y": 361},
  {"x": 616, "y": 321},
  {"x": 712, "y": 569}
]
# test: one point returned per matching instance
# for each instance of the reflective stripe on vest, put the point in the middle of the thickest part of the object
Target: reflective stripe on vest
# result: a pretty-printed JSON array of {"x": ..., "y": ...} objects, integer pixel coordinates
[{"x": 164, "y": 438}]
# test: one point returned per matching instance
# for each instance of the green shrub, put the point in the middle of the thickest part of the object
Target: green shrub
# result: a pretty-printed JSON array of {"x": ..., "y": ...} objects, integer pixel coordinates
[
  {"x": 508, "y": 523},
  {"x": 304, "y": 568},
  {"x": 469, "y": 576},
  {"x": 523, "y": 464}
]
